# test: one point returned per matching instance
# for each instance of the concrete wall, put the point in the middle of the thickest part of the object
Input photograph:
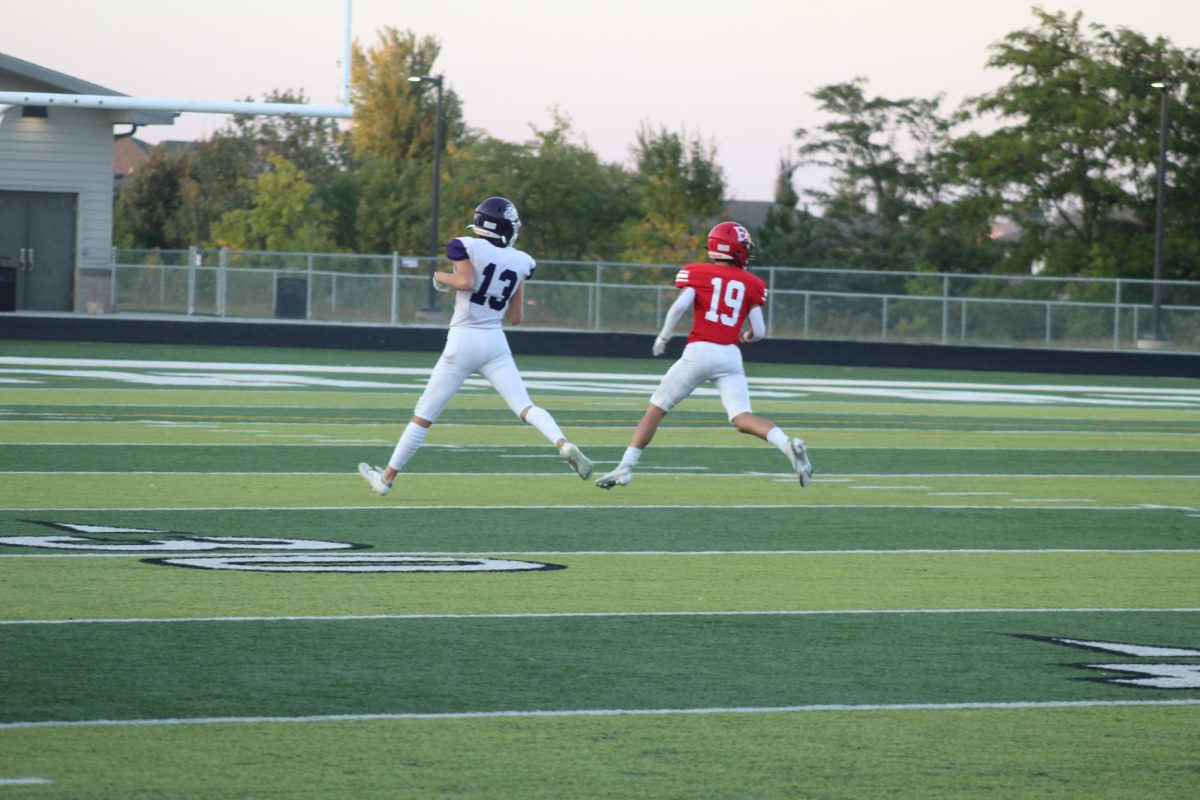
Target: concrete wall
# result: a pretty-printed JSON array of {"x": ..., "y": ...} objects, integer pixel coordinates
[
  {"x": 70, "y": 151},
  {"x": 211, "y": 331}
]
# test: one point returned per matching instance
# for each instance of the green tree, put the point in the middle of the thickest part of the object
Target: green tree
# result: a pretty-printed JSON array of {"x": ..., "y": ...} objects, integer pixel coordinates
[
  {"x": 877, "y": 190},
  {"x": 394, "y": 118},
  {"x": 283, "y": 216},
  {"x": 791, "y": 235},
  {"x": 173, "y": 198},
  {"x": 680, "y": 189},
  {"x": 571, "y": 202},
  {"x": 394, "y": 203},
  {"x": 1073, "y": 160},
  {"x": 148, "y": 209}
]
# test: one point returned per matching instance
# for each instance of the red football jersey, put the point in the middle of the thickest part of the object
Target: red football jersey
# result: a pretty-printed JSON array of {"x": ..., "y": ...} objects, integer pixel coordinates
[{"x": 724, "y": 296}]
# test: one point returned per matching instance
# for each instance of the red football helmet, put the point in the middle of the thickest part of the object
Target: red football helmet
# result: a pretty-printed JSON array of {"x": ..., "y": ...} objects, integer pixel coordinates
[{"x": 730, "y": 241}]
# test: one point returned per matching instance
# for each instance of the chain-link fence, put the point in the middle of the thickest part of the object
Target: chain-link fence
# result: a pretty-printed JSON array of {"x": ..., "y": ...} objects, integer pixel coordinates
[{"x": 912, "y": 307}]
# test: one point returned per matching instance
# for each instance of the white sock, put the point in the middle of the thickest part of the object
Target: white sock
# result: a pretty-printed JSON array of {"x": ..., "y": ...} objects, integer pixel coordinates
[
  {"x": 409, "y": 443},
  {"x": 540, "y": 418},
  {"x": 630, "y": 459},
  {"x": 777, "y": 437}
]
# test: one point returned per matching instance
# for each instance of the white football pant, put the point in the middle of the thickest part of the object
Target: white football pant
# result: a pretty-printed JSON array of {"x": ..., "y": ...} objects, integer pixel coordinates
[
  {"x": 705, "y": 361},
  {"x": 468, "y": 350}
]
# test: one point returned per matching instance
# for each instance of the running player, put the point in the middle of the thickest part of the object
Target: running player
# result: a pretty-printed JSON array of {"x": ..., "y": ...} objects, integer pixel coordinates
[
  {"x": 489, "y": 276},
  {"x": 723, "y": 295}
]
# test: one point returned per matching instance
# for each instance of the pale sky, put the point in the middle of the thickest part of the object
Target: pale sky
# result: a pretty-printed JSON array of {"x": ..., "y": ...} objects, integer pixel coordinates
[{"x": 737, "y": 73}]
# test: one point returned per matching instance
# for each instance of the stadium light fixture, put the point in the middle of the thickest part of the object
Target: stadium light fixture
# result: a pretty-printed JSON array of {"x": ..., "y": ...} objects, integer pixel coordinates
[{"x": 431, "y": 303}]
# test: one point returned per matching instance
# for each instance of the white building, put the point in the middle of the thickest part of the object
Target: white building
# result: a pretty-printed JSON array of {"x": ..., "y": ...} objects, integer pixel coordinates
[{"x": 56, "y": 192}]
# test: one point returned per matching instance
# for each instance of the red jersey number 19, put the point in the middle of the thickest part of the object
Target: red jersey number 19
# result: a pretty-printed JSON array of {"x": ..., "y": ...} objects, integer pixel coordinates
[{"x": 735, "y": 293}]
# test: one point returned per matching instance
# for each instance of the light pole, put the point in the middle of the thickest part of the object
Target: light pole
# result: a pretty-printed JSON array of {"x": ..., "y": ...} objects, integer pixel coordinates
[
  {"x": 1163, "y": 86},
  {"x": 431, "y": 301}
]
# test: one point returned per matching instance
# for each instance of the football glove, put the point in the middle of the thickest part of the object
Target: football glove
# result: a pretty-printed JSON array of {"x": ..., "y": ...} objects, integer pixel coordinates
[
  {"x": 438, "y": 285},
  {"x": 660, "y": 345}
]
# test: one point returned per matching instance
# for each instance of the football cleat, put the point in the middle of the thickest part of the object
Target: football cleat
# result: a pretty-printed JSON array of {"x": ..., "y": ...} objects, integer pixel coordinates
[
  {"x": 374, "y": 478},
  {"x": 578, "y": 461},
  {"x": 621, "y": 476},
  {"x": 798, "y": 455}
]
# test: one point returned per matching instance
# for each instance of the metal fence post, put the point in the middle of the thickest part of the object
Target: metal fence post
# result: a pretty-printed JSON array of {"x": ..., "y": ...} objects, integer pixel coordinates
[
  {"x": 222, "y": 277},
  {"x": 962, "y": 323},
  {"x": 193, "y": 262},
  {"x": 807, "y": 297},
  {"x": 883, "y": 331},
  {"x": 771, "y": 302},
  {"x": 395, "y": 285},
  {"x": 945, "y": 307},
  {"x": 1117, "y": 317},
  {"x": 308, "y": 282},
  {"x": 596, "y": 306},
  {"x": 1049, "y": 308},
  {"x": 112, "y": 281}
]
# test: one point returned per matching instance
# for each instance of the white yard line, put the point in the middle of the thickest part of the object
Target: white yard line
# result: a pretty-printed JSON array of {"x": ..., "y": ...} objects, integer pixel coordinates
[
  {"x": 601, "y": 614},
  {"x": 649, "y": 377},
  {"x": 798, "y": 506},
  {"x": 598, "y": 712},
  {"x": 658, "y": 470},
  {"x": 477, "y": 553},
  {"x": 322, "y": 439}
]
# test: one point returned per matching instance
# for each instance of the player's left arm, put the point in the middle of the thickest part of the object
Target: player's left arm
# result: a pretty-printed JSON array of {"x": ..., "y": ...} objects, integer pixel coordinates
[
  {"x": 757, "y": 329},
  {"x": 682, "y": 303},
  {"x": 462, "y": 279},
  {"x": 516, "y": 307}
]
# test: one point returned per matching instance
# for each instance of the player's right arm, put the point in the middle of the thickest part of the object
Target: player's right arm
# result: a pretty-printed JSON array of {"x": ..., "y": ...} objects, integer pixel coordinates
[
  {"x": 687, "y": 296},
  {"x": 757, "y": 329},
  {"x": 463, "y": 276},
  {"x": 462, "y": 279},
  {"x": 516, "y": 307}
]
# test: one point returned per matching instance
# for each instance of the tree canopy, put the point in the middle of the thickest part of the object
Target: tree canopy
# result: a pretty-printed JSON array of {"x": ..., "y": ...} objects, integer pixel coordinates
[{"x": 1064, "y": 153}]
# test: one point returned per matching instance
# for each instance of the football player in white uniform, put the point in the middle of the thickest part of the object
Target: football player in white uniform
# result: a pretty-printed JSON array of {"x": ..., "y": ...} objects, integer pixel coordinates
[{"x": 489, "y": 276}]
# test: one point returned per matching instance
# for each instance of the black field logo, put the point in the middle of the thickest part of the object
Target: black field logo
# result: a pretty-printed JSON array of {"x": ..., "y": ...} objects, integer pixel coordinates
[
  {"x": 110, "y": 538},
  {"x": 1156, "y": 667}
]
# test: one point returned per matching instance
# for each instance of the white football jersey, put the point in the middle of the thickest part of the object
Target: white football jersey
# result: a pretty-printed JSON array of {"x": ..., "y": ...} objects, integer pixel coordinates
[{"x": 499, "y": 271}]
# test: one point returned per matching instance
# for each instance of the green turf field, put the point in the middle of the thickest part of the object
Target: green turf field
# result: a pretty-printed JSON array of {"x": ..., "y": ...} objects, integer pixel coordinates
[{"x": 990, "y": 589}]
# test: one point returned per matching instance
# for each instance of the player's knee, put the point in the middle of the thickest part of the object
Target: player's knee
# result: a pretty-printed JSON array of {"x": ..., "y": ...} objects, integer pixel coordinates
[
  {"x": 525, "y": 412},
  {"x": 424, "y": 423},
  {"x": 742, "y": 423}
]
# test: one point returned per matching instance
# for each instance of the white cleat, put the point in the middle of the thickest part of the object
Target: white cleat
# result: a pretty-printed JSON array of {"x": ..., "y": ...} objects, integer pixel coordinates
[
  {"x": 621, "y": 476},
  {"x": 798, "y": 455},
  {"x": 374, "y": 478},
  {"x": 578, "y": 461}
]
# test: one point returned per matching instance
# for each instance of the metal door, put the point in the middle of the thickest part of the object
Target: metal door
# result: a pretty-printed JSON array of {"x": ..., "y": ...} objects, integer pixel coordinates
[
  {"x": 37, "y": 236},
  {"x": 12, "y": 248}
]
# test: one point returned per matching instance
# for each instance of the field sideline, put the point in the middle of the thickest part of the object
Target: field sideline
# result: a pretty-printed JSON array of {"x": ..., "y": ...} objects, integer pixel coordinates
[{"x": 991, "y": 587}]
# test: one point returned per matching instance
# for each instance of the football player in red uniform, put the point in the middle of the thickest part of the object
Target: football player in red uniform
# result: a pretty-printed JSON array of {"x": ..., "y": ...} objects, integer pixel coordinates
[{"x": 723, "y": 295}]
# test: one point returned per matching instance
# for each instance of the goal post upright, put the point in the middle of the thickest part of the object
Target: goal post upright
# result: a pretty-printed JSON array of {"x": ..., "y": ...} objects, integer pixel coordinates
[{"x": 120, "y": 102}]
